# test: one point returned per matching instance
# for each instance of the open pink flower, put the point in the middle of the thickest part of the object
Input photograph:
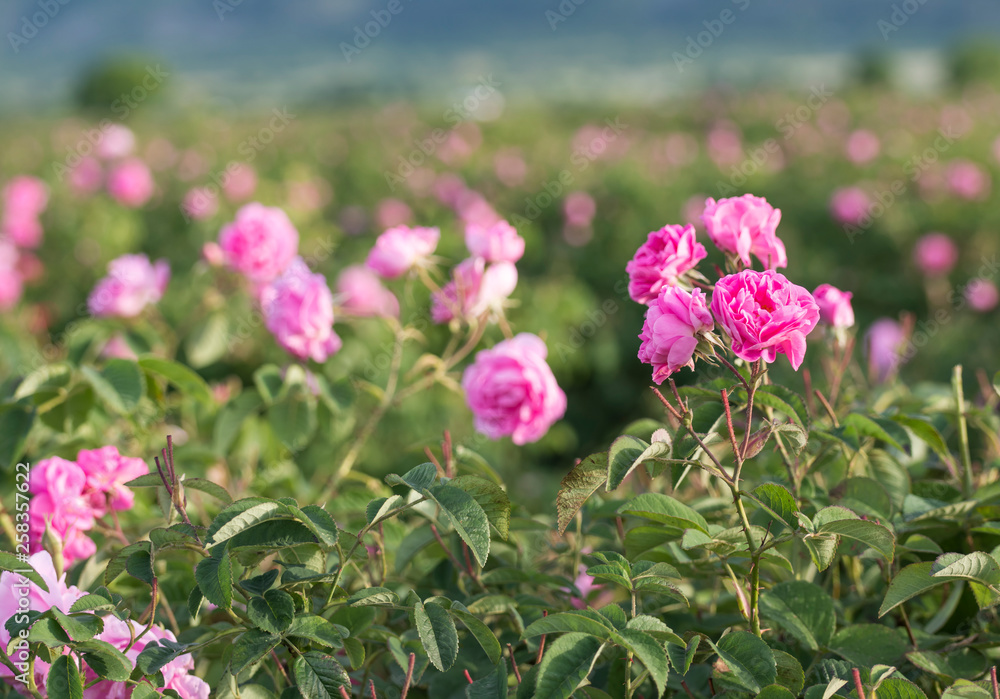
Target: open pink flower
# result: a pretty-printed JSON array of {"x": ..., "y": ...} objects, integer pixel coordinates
[
  {"x": 59, "y": 500},
  {"x": 260, "y": 243},
  {"x": 130, "y": 183},
  {"x": 474, "y": 290},
  {"x": 364, "y": 295},
  {"x": 764, "y": 315},
  {"x": 498, "y": 242},
  {"x": 512, "y": 391},
  {"x": 743, "y": 226},
  {"x": 935, "y": 254},
  {"x": 659, "y": 262},
  {"x": 834, "y": 306},
  {"x": 107, "y": 472},
  {"x": 670, "y": 333},
  {"x": 400, "y": 249},
  {"x": 132, "y": 284},
  {"x": 298, "y": 310}
]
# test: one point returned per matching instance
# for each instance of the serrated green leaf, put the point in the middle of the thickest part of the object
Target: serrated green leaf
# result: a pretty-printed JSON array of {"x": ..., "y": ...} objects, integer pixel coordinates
[
  {"x": 867, "y": 532},
  {"x": 318, "y": 630},
  {"x": 803, "y": 609},
  {"x": 566, "y": 664},
  {"x": 158, "y": 653},
  {"x": 184, "y": 379},
  {"x": 437, "y": 634},
  {"x": 778, "y": 502},
  {"x": 250, "y": 647},
  {"x": 373, "y": 596},
  {"x": 581, "y": 621},
  {"x": 418, "y": 478},
  {"x": 12, "y": 564},
  {"x": 790, "y": 674},
  {"x": 491, "y": 497},
  {"x": 64, "y": 680},
  {"x": 648, "y": 651},
  {"x": 481, "y": 632},
  {"x": 272, "y": 612},
  {"x": 491, "y": 686},
  {"x": 578, "y": 485},
  {"x": 867, "y": 427},
  {"x": 623, "y": 456},
  {"x": 463, "y": 513},
  {"x": 293, "y": 418},
  {"x": 106, "y": 660},
  {"x": 664, "y": 509},
  {"x": 209, "y": 488},
  {"x": 140, "y": 566},
  {"x": 748, "y": 658},
  {"x": 215, "y": 577},
  {"x": 867, "y": 644}
]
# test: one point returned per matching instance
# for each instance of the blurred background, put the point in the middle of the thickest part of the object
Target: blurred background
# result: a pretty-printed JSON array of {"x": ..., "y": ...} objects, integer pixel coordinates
[{"x": 586, "y": 123}]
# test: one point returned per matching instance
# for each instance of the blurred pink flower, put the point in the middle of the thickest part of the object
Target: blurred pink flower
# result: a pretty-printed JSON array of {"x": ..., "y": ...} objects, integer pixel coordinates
[
  {"x": 982, "y": 295},
  {"x": 725, "y": 145},
  {"x": 883, "y": 343},
  {"x": 25, "y": 231},
  {"x": 116, "y": 142},
  {"x": 25, "y": 196},
  {"x": 240, "y": 183},
  {"x": 107, "y": 471},
  {"x": 862, "y": 146},
  {"x": 60, "y": 502},
  {"x": 579, "y": 209},
  {"x": 764, "y": 315},
  {"x": 511, "y": 390},
  {"x": 260, "y": 243},
  {"x": 86, "y": 177},
  {"x": 849, "y": 205},
  {"x": 834, "y": 306},
  {"x": 132, "y": 284},
  {"x": 659, "y": 262},
  {"x": 400, "y": 249},
  {"x": 509, "y": 166},
  {"x": 935, "y": 254},
  {"x": 364, "y": 295},
  {"x": 474, "y": 290},
  {"x": 670, "y": 333},
  {"x": 118, "y": 348},
  {"x": 200, "y": 203},
  {"x": 498, "y": 242},
  {"x": 213, "y": 254},
  {"x": 298, "y": 310},
  {"x": 391, "y": 213},
  {"x": 967, "y": 180},
  {"x": 746, "y": 225},
  {"x": 449, "y": 189},
  {"x": 130, "y": 183}
]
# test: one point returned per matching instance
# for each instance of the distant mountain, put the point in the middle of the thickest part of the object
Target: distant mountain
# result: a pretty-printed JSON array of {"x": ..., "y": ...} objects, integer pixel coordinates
[{"x": 251, "y": 50}]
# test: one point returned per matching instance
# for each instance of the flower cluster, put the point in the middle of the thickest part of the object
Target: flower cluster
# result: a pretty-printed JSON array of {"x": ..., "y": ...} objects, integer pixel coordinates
[
  {"x": 176, "y": 673},
  {"x": 133, "y": 282},
  {"x": 23, "y": 200},
  {"x": 69, "y": 496}
]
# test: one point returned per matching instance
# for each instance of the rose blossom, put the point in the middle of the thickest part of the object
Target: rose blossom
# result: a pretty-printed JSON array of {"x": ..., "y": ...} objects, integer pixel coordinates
[
  {"x": 982, "y": 295},
  {"x": 849, "y": 205},
  {"x": 967, "y": 180},
  {"x": 364, "y": 295},
  {"x": 241, "y": 183},
  {"x": 834, "y": 306},
  {"x": 862, "y": 146},
  {"x": 474, "y": 290},
  {"x": 579, "y": 209},
  {"x": 661, "y": 260},
  {"x": 935, "y": 254},
  {"x": 130, "y": 183},
  {"x": 59, "y": 501},
  {"x": 260, "y": 243},
  {"x": 298, "y": 310},
  {"x": 132, "y": 283},
  {"x": 401, "y": 248},
  {"x": 392, "y": 212},
  {"x": 512, "y": 391},
  {"x": 764, "y": 315},
  {"x": 25, "y": 196},
  {"x": 498, "y": 242},
  {"x": 744, "y": 225},
  {"x": 671, "y": 330},
  {"x": 884, "y": 342},
  {"x": 117, "y": 141},
  {"x": 107, "y": 472}
]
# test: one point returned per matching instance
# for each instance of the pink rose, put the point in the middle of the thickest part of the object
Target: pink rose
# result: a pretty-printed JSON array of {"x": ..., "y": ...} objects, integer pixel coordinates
[
  {"x": 86, "y": 176},
  {"x": 764, "y": 315},
  {"x": 25, "y": 196},
  {"x": 59, "y": 594},
  {"x": 130, "y": 183},
  {"x": 260, "y": 243},
  {"x": 25, "y": 231},
  {"x": 401, "y": 248},
  {"x": 511, "y": 390},
  {"x": 935, "y": 254},
  {"x": 862, "y": 146},
  {"x": 298, "y": 310},
  {"x": 498, "y": 242},
  {"x": 116, "y": 142},
  {"x": 834, "y": 306},
  {"x": 11, "y": 279},
  {"x": 982, "y": 295},
  {"x": 200, "y": 203},
  {"x": 967, "y": 180},
  {"x": 364, "y": 295},
  {"x": 884, "y": 343},
  {"x": 107, "y": 472},
  {"x": 240, "y": 184},
  {"x": 850, "y": 205},
  {"x": 118, "y": 348},
  {"x": 670, "y": 333},
  {"x": 579, "y": 209},
  {"x": 474, "y": 290},
  {"x": 392, "y": 212},
  {"x": 132, "y": 284},
  {"x": 666, "y": 255},
  {"x": 744, "y": 225},
  {"x": 59, "y": 499}
]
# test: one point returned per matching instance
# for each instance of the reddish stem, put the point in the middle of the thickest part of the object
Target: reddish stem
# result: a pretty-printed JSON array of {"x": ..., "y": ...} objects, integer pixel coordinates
[{"x": 857, "y": 683}]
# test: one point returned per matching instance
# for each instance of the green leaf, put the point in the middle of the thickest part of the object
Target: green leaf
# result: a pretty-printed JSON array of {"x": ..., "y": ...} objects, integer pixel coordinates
[
  {"x": 996, "y": 383},
  {"x": 664, "y": 510},
  {"x": 272, "y": 612},
  {"x": 16, "y": 420},
  {"x": 64, "y": 680},
  {"x": 48, "y": 631},
  {"x": 418, "y": 478},
  {"x": 803, "y": 609},
  {"x": 649, "y": 652},
  {"x": 977, "y": 566},
  {"x": 964, "y": 689},
  {"x": 492, "y": 686},
  {"x": 268, "y": 381},
  {"x": 748, "y": 658},
  {"x": 581, "y": 621},
  {"x": 232, "y": 417},
  {"x": 293, "y": 418},
  {"x": 215, "y": 577},
  {"x": 869, "y": 428},
  {"x": 491, "y": 497},
  {"x": 681, "y": 657},
  {"x": 208, "y": 487},
  {"x": 899, "y": 688},
  {"x": 466, "y": 517},
  {"x": 867, "y": 644},
  {"x": 373, "y": 596},
  {"x": 775, "y": 691},
  {"x": 126, "y": 381},
  {"x": 437, "y": 634},
  {"x": 184, "y": 379},
  {"x": 913, "y": 580},
  {"x": 778, "y": 502},
  {"x": 566, "y": 664},
  {"x": 106, "y": 660},
  {"x": 623, "y": 456},
  {"x": 250, "y": 647},
  {"x": 208, "y": 341},
  {"x": 79, "y": 627},
  {"x": 784, "y": 400},
  {"x": 318, "y": 630},
  {"x": 822, "y": 549},
  {"x": 158, "y": 653},
  {"x": 91, "y": 603},
  {"x": 319, "y": 676},
  {"x": 140, "y": 566},
  {"x": 480, "y": 631},
  {"x": 795, "y": 433},
  {"x": 578, "y": 485},
  {"x": 790, "y": 673},
  {"x": 926, "y": 432},
  {"x": 867, "y": 532},
  {"x": 242, "y": 515},
  {"x": 12, "y": 564}
]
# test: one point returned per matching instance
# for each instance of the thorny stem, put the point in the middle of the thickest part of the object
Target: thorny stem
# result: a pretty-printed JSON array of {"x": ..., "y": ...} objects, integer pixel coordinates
[{"x": 719, "y": 470}]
